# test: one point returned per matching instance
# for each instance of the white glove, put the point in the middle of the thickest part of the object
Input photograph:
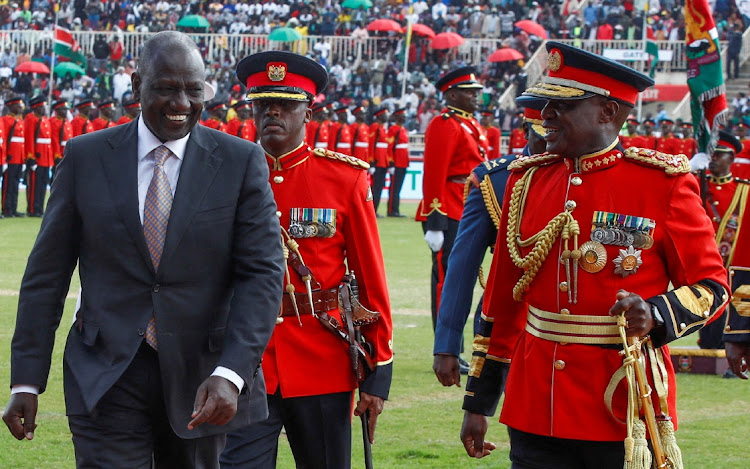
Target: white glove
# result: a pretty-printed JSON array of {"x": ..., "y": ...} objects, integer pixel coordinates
[
  {"x": 434, "y": 239},
  {"x": 5, "y": 167},
  {"x": 391, "y": 170},
  {"x": 23, "y": 168},
  {"x": 699, "y": 162},
  {"x": 32, "y": 168},
  {"x": 371, "y": 170}
]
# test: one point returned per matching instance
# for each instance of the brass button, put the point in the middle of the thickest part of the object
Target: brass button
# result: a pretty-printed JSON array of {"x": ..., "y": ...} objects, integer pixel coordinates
[
  {"x": 278, "y": 179},
  {"x": 706, "y": 314},
  {"x": 570, "y": 205},
  {"x": 727, "y": 328},
  {"x": 559, "y": 365},
  {"x": 565, "y": 311},
  {"x": 716, "y": 202},
  {"x": 563, "y": 287},
  {"x": 682, "y": 326},
  {"x": 576, "y": 181},
  {"x": 718, "y": 188},
  {"x": 278, "y": 213}
]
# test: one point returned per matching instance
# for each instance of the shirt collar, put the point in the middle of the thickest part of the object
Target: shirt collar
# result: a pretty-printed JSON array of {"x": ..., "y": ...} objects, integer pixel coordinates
[{"x": 147, "y": 142}]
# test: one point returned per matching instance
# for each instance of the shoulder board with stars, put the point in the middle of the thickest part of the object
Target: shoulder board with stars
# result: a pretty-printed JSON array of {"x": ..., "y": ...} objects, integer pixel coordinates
[
  {"x": 671, "y": 164},
  {"x": 351, "y": 160},
  {"x": 532, "y": 160}
]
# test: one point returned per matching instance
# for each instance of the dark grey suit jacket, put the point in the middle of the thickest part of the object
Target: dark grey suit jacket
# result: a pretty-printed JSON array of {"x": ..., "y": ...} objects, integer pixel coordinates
[{"x": 216, "y": 293}]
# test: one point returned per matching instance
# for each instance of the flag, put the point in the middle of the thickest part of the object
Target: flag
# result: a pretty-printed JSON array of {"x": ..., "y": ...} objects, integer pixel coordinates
[
  {"x": 652, "y": 50},
  {"x": 708, "y": 101},
  {"x": 66, "y": 46}
]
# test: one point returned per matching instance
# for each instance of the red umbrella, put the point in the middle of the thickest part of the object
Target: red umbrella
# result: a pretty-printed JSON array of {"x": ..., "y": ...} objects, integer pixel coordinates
[
  {"x": 422, "y": 30},
  {"x": 446, "y": 40},
  {"x": 532, "y": 27},
  {"x": 505, "y": 54},
  {"x": 32, "y": 67},
  {"x": 384, "y": 25}
]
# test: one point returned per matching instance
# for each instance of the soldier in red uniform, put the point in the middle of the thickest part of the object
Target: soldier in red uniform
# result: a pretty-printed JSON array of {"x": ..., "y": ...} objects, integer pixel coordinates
[
  {"x": 39, "y": 161},
  {"x": 380, "y": 154},
  {"x": 82, "y": 123},
  {"x": 667, "y": 142},
  {"x": 360, "y": 133},
  {"x": 741, "y": 165},
  {"x": 15, "y": 155},
  {"x": 316, "y": 133},
  {"x": 590, "y": 238},
  {"x": 398, "y": 140},
  {"x": 517, "y": 140},
  {"x": 631, "y": 133},
  {"x": 217, "y": 110},
  {"x": 328, "y": 224},
  {"x": 131, "y": 109},
  {"x": 688, "y": 145},
  {"x": 61, "y": 131},
  {"x": 242, "y": 110},
  {"x": 106, "y": 116},
  {"x": 339, "y": 136},
  {"x": 492, "y": 132},
  {"x": 455, "y": 144},
  {"x": 648, "y": 139}
]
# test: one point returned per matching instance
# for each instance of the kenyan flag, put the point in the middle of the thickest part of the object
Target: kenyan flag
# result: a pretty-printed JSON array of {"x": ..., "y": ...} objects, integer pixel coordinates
[{"x": 67, "y": 47}]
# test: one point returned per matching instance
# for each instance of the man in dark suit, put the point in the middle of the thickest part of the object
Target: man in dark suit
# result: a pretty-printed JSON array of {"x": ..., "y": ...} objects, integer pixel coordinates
[{"x": 164, "y": 356}]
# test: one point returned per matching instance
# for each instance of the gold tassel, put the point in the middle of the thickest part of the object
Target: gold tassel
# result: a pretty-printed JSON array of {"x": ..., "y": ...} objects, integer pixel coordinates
[
  {"x": 669, "y": 443},
  {"x": 641, "y": 456}
]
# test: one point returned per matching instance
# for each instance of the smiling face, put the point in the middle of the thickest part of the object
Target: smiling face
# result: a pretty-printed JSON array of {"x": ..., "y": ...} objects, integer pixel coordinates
[
  {"x": 574, "y": 126},
  {"x": 170, "y": 91},
  {"x": 281, "y": 123}
]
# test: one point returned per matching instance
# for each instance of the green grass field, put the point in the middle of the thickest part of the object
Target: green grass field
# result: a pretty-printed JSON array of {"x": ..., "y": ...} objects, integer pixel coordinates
[{"x": 419, "y": 427}]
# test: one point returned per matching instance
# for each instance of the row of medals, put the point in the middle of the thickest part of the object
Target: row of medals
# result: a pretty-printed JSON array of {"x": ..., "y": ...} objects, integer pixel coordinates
[{"x": 594, "y": 255}]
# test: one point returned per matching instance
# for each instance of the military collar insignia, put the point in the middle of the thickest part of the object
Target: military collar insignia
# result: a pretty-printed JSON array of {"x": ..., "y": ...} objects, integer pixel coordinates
[
  {"x": 720, "y": 180},
  {"x": 601, "y": 159},
  {"x": 525, "y": 161},
  {"x": 288, "y": 160},
  {"x": 461, "y": 113}
]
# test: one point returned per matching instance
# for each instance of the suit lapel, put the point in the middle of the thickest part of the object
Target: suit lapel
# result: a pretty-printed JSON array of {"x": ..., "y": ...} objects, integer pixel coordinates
[
  {"x": 198, "y": 170},
  {"x": 121, "y": 171}
]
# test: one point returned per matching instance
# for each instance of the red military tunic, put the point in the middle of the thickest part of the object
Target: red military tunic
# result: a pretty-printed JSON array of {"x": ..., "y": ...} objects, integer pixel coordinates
[
  {"x": 248, "y": 131},
  {"x": 360, "y": 141},
  {"x": 62, "y": 131},
  {"x": 38, "y": 140},
  {"x": 233, "y": 126},
  {"x": 379, "y": 148},
  {"x": 517, "y": 142},
  {"x": 14, "y": 139},
  {"x": 626, "y": 141},
  {"x": 493, "y": 142},
  {"x": 101, "y": 123},
  {"x": 124, "y": 119},
  {"x": 741, "y": 166},
  {"x": 669, "y": 144},
  {"x": 316, "y": 134},
  {"x": 339, "y": 138},
  {"x": 558, "y": 389},
  {"x": 454, "y": 145},
  {"x": 81, "y": 125},
  {"x": 310, "y": 360},
  {"x": 687, "y": 147},
  {"x": 398, "y": 138},
  {"x": 643, "y": 141},
  {"x": 215, "y": 123},
  {"x": 3, "y": 145}
]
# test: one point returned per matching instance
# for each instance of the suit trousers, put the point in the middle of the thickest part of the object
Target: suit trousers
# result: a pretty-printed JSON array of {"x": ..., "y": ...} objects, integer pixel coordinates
[
  {"x": 394, "y": 197},
  {"x": 378, "y": 183},
  {"x": 11, "y": 179},
  {"x": 529, "y": 451},
  {"x": 318, "y": 428},
  {"x": 440, "y": 266},
  {"x": 36, "y": 189},
  {"x": 129, "y": 428}
]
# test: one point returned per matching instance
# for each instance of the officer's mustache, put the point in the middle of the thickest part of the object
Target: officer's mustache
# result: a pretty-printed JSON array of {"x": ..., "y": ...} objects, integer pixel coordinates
[{"x": 268, "y": 122}]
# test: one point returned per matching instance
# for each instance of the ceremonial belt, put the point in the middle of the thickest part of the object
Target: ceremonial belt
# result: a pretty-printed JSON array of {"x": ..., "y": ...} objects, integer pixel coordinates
[
  {"x": 324, "y": 301},
  {"x": 362, "y": 144},
  {"x": 402, "y": 145},
  {"x": 321, "y": 144},
  {"x": 742, "y": 160},
  {"x": 343, "y": 145},
  {"x": 381, "y": 145},
  {"x": 44, "y": 140},
  {"x": 458, "y": 179},
  {"x": 572, "y": 329},
  {"x": 17, "y": 140}
]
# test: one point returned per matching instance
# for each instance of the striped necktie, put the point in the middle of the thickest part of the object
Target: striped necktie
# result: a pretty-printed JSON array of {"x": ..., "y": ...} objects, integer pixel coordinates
[{"x": 155, "y": 220}]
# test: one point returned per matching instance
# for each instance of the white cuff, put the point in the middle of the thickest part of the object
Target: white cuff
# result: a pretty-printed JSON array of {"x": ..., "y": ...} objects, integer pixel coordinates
[
  {"x": 29, "y": 388},
  {"x": 230, "y": 375}
]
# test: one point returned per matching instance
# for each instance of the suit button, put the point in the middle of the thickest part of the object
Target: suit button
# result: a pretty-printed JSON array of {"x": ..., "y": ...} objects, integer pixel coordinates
[
  {"x": 576, "y": 181},
  {"x": 156, "y": 288},
  {"x": 563, "y": 287},
  {"x": 141, "y": 331},
  {"x": 278, "y": 179},
  {"x": 559, "y": 365},
  {"x": 570, "y": 205}
]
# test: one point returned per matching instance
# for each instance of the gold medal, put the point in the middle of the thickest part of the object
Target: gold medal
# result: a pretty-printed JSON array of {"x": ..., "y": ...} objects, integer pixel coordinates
[
  {"x": 593, "y": 258},
  {"x": 628, "y": 261}
]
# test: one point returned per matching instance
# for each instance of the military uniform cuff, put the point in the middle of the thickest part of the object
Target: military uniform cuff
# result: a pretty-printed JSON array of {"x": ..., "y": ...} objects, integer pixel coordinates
[
  {"x": 378, "y": 383},
  {"x": 436, "y": 222},
  {"x": 483, "y": 392}
]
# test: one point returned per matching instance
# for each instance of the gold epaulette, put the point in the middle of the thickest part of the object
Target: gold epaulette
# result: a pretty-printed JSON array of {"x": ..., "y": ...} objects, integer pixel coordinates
[
  {"x": 671, "y": 164},
  {"x": 525, "y": 161},
  {"x": 351, "y": 160}
]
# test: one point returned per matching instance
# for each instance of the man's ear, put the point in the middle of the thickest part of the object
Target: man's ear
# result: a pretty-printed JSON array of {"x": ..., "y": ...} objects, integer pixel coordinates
[{"x": 610, "y": 110}]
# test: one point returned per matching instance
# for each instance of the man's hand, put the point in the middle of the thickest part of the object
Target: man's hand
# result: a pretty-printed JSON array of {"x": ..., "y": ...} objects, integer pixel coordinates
[
  {"x": 215, "y": 402},
  {"x": 638, "y": 317},
  {"x": 372, "y": 403},
  {"x": 446, "y": 369},
  {"x": 20, "y": 415},
  {"x": 473, "y": 429},
  {"x": 738, "y": 356},
  {"x": 434, "y": 239}
]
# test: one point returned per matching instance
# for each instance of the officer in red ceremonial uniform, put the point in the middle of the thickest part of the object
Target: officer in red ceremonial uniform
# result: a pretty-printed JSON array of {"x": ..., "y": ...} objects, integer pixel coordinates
[
  {"x": 380, "y": 154},
  {"x": 360, "y": 133},
  {"x": 82, "y": 123},
  {"x": 39, "y": 161},
  {"x": 339, "y": 136},
  {"x": 398, "y": 140},
  {"x": 741, "y": 165},
  {"x": 647, "y": 139},
  {"x": 328, "y": 224},
  {"x": 590, "y": 238},
  {"x": 454, "y": 145},
  {"x": 667, "y": 142},
  {"x": 217, "y": 110},
  {"x": 242, "y": 110},
  {"x": 15, "y": 155},
  {"x": 631, "y": 132},
  {"x": 61, "y": 131},
  {"x": 493, "y": 133},
  {"x": 688, "y": 145},
  {"x": 316, "y": 134},
  {"x": 106, "y": 116},
  {"x": 517, "y": 140},
  {"x": 131, "y": 109}
]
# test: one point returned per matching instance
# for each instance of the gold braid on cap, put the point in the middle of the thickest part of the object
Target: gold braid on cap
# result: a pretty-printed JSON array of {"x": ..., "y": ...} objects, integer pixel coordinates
[
  {"x": 554, "y": 91},
  {"x": 543, "y": 240}
]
